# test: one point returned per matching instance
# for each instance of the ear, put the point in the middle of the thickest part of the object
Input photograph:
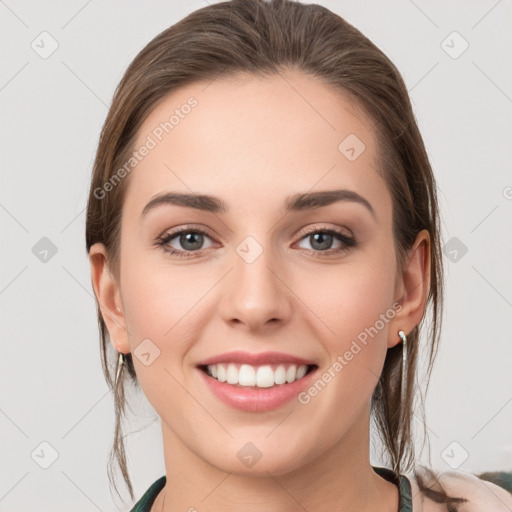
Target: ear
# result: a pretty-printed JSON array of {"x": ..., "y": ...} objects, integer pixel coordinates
[
  {"x": 412, "y": 288},
  {"x": 109, "y": 298}
]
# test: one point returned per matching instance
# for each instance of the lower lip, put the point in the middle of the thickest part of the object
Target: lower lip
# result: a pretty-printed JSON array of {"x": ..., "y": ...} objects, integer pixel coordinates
[{"x": 257, "y": 399}]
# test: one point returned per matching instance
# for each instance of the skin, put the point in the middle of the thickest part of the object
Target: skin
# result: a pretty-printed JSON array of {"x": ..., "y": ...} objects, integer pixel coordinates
[{"x": 253, "y": 142}]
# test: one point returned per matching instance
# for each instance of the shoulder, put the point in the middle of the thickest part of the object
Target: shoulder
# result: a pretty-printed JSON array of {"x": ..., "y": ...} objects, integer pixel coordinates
[{"x": 482, "y": 496}]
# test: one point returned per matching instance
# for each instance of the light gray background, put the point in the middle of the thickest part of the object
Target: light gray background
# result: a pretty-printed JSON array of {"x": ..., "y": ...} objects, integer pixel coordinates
[{"x": 52, "y": 389}]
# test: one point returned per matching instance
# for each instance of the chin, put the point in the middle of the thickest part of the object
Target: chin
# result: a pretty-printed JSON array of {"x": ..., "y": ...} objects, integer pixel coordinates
[{"x": 248, "y": 460}]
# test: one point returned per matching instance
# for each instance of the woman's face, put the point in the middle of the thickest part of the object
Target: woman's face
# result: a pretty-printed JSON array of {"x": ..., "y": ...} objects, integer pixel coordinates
[{"x": 264, "y": 278}]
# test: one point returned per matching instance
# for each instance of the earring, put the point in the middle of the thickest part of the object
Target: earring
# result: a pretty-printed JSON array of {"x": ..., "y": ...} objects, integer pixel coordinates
[
  {"x": 403, "y": 337},
  {"x": 120, "y": 364}
]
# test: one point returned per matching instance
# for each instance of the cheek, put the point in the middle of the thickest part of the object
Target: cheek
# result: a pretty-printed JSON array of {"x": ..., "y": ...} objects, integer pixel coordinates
[
  {"x": 158, "y": 304},
  {"x": 165, "y": 310},
  {"x": 355, "y": 306},
  {"x": 158, "y": 308},
  {"x": 353, "y": 297},
  {"x": 357, "y": 315},
  {"x": 155, "y": 297}
]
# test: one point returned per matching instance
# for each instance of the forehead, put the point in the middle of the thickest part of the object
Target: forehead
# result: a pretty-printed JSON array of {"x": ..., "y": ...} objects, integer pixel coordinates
[{"x": 264, "y": 134}]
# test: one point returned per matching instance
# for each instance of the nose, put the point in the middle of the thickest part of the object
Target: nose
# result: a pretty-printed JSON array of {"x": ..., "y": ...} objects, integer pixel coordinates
[{"x": 255, "y": 296}]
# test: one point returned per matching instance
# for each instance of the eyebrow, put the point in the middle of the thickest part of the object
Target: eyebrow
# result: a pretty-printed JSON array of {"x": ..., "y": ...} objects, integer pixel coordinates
[{"x": 295, "y": 203}]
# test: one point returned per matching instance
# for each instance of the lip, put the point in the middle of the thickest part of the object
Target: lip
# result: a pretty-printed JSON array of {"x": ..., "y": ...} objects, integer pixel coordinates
[
  {"x": 258, "y": 359},
  {"x": 252, "y": 399}
]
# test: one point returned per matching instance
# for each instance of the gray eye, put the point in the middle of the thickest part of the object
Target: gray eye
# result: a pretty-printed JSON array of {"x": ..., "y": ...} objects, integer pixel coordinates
[
  {"x": 188, "y": 240},
  {"x": 320, "y": 241},
  {"x": 191, "y": 241}
]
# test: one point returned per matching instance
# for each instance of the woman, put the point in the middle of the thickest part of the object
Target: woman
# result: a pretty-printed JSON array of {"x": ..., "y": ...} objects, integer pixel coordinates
[{"x": 264, "y": 242}]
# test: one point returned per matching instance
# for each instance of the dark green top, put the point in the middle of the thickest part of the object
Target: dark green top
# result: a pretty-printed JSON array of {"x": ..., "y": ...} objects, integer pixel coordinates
[{"x": 405, "y": 505}]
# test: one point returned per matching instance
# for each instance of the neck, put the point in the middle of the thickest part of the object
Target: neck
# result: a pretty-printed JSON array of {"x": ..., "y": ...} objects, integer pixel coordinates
[{"x": 339, "y": 479}]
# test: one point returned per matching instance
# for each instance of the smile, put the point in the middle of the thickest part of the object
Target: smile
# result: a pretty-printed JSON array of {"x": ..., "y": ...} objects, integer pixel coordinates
[
  {"x": 257, "y": 388},
  {"x": 264, "y": 376}
]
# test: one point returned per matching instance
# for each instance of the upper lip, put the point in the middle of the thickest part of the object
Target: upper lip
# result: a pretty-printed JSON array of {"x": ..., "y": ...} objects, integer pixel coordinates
[{"x": 254, "y": 359}]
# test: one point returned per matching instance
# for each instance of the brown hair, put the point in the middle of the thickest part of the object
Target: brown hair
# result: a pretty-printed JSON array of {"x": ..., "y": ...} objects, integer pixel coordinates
[{"x": 264, "y": 38}]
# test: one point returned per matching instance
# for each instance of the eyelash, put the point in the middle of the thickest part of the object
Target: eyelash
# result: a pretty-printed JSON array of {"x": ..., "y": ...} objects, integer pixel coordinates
[{"x": 348, "y": 241}]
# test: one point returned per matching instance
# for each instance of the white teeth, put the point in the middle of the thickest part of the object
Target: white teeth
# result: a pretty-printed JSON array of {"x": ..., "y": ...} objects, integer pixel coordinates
[
  {"x": 232, "y": 374},
  {"x": 280, "y": 375},
  {"x": 247, "y": 375},
  {"x": 291, "y": 373},
  {"x": 260, "y": 376},
  {"x": 264, "y": 377},
  {"x": 221, "y": 373},
  {"x": 301, "y": 371}
]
